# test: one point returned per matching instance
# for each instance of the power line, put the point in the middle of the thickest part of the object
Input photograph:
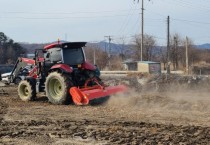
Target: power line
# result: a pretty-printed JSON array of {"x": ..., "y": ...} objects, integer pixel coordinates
[
  {"x": 43, "y": 18},
  {"x": 191, "y": 21},
  {"x": 127, "y": 20},
  {"x": 136, "y": 24},
  {"x": 63, "y": 13}
]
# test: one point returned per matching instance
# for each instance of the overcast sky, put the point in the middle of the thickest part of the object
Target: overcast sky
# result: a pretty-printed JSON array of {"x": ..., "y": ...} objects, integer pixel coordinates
[{"x": 38, "y": 21}]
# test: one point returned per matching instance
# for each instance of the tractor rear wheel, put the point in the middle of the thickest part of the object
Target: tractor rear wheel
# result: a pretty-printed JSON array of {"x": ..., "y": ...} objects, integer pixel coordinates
[
  {"x": 27, "y": 90},
  {"x": 57, "y": 88}
]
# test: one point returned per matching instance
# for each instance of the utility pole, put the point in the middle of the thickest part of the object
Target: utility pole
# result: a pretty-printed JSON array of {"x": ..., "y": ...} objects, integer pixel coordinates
[
  {"x": 109, "y": 51},
  {"x": 175, "y": 54},
  {"x": 168, "y": 45},
  {"x": 142, "y": 29},
  {"x": 187, "y": 61},
  {"x": 1, "y": 51}
]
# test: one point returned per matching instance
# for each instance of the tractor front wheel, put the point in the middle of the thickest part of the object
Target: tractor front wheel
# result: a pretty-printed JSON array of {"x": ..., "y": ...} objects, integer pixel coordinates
[
  {"x": 57, "y": 88},
  {"x": 27, "y": 90}
]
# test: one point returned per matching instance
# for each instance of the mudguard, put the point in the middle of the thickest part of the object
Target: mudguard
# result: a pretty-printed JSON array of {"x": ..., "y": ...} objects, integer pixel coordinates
[{"x": 63, "y": 67}]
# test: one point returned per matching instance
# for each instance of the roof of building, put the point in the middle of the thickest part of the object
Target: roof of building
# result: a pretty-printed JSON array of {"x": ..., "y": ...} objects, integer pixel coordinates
[{"x": 146, "y": 62}]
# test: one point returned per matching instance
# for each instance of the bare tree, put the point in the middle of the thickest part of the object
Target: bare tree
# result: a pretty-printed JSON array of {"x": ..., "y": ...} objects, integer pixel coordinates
[
  {"x": 193, "y": 53},
  {"x": 176, "y": 50},
  {"x": 122, "y": 49},
  {"x": 93, "y": 51},
  {"x": 149, "y": 45},
  {"x": 204, "y": 55},
  {"x": 161, "y": 56}
]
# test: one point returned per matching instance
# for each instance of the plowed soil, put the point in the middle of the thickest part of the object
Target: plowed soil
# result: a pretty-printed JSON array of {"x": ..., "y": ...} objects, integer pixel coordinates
[{"x": 176, "y": 116}]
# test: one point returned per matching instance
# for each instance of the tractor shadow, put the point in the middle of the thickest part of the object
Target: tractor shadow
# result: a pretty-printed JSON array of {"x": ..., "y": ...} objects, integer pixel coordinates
[{"x": 43, "y": 99}]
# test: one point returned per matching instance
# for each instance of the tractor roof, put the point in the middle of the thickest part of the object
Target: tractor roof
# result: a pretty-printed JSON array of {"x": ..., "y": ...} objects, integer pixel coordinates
[{"x": 65, "y": 45}]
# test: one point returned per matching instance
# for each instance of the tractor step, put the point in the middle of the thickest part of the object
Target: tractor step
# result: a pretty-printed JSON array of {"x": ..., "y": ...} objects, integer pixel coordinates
[{"x": 84, "y": 95}]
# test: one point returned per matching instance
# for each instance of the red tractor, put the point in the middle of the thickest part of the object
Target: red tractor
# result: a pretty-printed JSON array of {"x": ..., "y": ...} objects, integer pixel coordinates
[
  {"x": 18, "y": 72},
  {"x": 65, "y": 76}
]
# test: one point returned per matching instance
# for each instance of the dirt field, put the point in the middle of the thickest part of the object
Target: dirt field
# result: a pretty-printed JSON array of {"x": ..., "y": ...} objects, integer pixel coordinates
[{"x": 177, "y": 116}]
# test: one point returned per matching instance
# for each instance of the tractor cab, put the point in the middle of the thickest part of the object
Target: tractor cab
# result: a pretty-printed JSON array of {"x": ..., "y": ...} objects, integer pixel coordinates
[
  {"x": 69, "y": 53},
  {"x": 69, "y": 57}
]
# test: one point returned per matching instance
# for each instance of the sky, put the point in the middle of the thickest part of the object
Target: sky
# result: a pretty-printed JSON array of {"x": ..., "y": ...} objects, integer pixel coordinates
[{"x": 41, "y": 21}]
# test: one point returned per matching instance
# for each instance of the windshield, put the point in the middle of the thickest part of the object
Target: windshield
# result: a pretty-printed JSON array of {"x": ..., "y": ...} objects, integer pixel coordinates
[{"x": 73, "y": 56}]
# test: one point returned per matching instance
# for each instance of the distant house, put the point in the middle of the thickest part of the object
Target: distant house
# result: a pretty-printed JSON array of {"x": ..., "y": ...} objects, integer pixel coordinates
[{"x": 143, "y": 66}]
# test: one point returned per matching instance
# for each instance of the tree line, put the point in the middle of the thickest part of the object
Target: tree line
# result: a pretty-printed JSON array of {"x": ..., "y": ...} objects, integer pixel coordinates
[
  {"x": 151, "y": 52},
  {"x": 9, "y": 50}
]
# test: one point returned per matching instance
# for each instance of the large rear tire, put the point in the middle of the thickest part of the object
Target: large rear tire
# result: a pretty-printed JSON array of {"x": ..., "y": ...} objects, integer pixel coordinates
[
  {"x": 57, "y": 88},
  {"x": 27, "y": 90}
]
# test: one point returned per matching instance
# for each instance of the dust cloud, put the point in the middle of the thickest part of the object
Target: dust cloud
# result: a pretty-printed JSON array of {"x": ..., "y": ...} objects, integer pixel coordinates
[{"x": 175, "y": 104}]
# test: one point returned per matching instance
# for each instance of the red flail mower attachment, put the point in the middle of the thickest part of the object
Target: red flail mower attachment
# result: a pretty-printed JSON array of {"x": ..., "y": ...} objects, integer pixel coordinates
[{"x": 82, "y": 96}]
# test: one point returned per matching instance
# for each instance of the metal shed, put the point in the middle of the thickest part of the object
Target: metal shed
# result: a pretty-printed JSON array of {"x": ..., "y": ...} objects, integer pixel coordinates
[
  {"x": 130, "y": 65},
  {"x": 149, "y": 67},
  {"x": 143, "y": 66}
]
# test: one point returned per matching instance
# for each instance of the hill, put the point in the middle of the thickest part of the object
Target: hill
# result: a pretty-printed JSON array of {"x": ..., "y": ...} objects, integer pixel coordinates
[
  {"x": 31, "y": 47},
  {"x": 204, "y": 46},
  {"x": 115, "y": 48}
]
